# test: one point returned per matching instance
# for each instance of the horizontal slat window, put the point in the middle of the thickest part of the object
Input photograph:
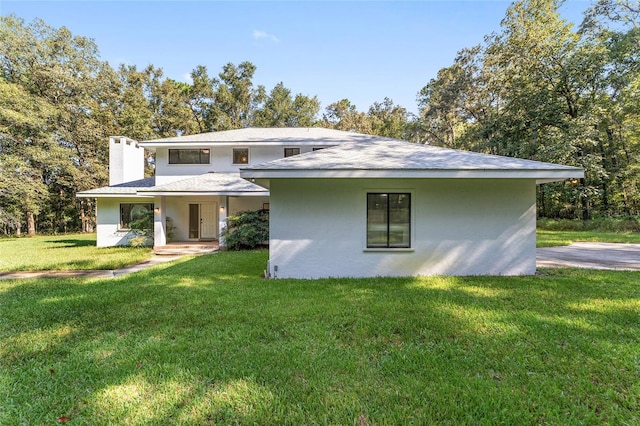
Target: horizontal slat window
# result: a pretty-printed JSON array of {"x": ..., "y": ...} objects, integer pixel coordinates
[{"x": 189, "y": 156}]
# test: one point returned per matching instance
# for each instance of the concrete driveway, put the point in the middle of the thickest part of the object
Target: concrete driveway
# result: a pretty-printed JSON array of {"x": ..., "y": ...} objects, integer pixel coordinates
[{"x": 590, "y": 255}]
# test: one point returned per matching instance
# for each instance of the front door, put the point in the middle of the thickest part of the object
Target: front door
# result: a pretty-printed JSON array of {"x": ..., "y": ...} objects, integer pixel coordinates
[
  {"x": 208, "y": 222},
  {"x": 203, "y": 221}
]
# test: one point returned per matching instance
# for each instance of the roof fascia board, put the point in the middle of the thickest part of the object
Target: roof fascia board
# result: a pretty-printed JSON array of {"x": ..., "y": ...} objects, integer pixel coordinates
[
  {"x": 417, "y": 174},
  {"x": 113, "y": 195},
  {"x": 210, "y": 144},
  {"x": 189, "y": 193}
]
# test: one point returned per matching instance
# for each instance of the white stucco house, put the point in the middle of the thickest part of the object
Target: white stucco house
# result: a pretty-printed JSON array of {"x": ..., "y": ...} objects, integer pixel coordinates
[{"x": 341, "y": 204}]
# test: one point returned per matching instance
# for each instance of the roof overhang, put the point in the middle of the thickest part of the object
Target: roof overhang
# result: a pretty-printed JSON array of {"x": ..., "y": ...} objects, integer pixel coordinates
[
  {"x": 541, "y": 176},
  {"x": 89, "y": 194},
  {"x": 153, "y": 193},
  {"x": 151, "y": 146}
]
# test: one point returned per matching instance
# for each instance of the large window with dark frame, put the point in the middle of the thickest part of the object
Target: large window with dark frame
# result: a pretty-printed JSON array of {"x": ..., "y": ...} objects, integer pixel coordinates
[
  {"x": 132, "y": 213},
  {"x": 189, "y": 156},
  {"x": 388, "y": 220}
]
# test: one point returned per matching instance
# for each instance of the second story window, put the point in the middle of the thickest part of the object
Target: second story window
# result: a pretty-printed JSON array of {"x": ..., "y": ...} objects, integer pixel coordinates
[
  {"x": 290, "y": 152},
  {"x": 241, "y": 156},
  {"x": 189, "y": 156}
]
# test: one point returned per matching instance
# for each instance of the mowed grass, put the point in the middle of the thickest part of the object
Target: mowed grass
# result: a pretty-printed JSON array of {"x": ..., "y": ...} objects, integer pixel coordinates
[
  {"x": 65, "y": 252},
  {"x": 205, "y": 340},
  {"x": 547, "y": 238}
]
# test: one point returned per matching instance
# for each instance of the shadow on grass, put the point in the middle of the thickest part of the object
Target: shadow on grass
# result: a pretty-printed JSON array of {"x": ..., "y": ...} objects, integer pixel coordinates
[
  {"x": 207, "y": 340},
  {"x": 68, "y": 243}
]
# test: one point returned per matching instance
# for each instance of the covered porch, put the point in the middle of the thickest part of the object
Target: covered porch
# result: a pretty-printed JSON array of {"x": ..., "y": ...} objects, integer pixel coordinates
[{"x": 194, "y": 210}]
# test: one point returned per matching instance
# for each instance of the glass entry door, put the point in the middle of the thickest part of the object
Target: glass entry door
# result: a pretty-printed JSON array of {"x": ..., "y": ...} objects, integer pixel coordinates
[{"x": 203, "y": 221}]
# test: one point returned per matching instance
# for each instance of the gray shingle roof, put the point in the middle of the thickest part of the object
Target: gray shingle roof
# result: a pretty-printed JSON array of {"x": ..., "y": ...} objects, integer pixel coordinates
[
  {"x": 394, "y": 158},
  {"x": 123, "y": 189},
  {"x": 275, "y": 135},
  {"x": 210, "y": 184}
]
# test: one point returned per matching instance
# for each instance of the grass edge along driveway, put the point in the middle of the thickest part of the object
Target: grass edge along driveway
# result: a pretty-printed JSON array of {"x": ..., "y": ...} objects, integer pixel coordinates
[
  {"x": 205, "y": 340},
  {"x": 79, "y": 251}
]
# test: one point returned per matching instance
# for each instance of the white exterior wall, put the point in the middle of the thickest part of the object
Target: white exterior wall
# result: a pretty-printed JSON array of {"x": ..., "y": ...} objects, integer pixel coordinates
[
  {"x": 108, "y": 217},
  {"x": 243, "y": 204},
  {"x": 221, "y": 161},
  {"x": 459, "y": 227},
  {"x": 177, "y": 208},
  {"x": 159, "y": 221}
]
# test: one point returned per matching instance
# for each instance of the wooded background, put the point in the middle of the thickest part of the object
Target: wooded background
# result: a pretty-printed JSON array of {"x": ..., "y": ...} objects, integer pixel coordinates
[{"x": 538, "y": 89}]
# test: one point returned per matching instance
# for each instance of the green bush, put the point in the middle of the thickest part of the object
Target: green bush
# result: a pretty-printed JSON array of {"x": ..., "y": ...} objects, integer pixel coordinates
[
  {"x": 142, "y": 226},
  {"x": 602, "y": 224},
  {"x": 247, "y": 230},
  {"x": 141, "y": 241}
]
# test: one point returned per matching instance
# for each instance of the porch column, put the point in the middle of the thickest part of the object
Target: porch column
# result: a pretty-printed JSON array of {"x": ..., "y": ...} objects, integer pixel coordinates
[
  {"x": 222, "y": 218},
  {"x": 159, "y": 222}
]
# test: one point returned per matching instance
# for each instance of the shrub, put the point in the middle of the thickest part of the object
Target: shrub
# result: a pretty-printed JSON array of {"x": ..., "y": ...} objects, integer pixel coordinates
[
  {"x": 140, "y": 241},
  {"x": 599, "y": 224},
  {"x": 142, "y": 226},
  {"x": 247, "y": 230}
]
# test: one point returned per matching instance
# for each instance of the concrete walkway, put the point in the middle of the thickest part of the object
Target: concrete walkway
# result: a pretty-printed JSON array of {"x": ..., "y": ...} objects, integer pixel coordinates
[
  {"x": 155, "y": 260},
  {"x": 608, "y": 256}
]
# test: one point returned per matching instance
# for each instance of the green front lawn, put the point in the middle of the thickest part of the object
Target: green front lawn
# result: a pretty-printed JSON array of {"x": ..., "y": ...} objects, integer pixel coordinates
[
  {"x": 205, "y": 340},
  {"x": 79, "y": 251},
  {"x": 65, "y": 252}
]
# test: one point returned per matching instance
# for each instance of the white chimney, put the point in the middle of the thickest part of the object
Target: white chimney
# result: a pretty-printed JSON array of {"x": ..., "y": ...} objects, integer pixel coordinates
[{"x": 126, "y": 160}]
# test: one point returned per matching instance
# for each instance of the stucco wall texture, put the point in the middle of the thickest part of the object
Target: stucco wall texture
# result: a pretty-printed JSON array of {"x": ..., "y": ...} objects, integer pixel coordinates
[{"x": 459, "y": 227}]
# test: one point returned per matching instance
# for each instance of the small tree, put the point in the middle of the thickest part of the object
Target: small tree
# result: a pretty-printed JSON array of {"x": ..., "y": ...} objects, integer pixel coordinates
[
  {"x": 247, "y": 230},
  {"x": 142, "y": 225}
]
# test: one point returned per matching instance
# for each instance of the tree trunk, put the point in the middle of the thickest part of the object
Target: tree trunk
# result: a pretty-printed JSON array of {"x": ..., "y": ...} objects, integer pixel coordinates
[
  {"x": 86, "y": 217},
  {"x": 31, "y": 224},
  {"x": 584, "y": 204},
  {"x": 83, "y": 217}
]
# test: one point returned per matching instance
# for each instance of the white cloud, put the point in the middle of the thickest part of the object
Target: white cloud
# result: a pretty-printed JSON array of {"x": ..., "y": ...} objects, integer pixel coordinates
[{"x": 260, "y": 35}]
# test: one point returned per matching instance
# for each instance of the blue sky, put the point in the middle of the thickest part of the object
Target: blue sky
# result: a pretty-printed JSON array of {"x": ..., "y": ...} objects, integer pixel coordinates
[{"x": 359, "y": 50}]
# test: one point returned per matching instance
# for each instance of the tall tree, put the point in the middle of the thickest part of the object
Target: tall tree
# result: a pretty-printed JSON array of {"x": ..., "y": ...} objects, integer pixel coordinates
[
  {"x": 55, "y": 68},
  {"x": 280, "y": 109},
  {"x": 540, "y": 89},
  {"x": 24, "y": 132},
  {"x": 343, "y": 115},
  {"x": 235, "y": 97},
  {"x": 134, "y": 118},
  {"x": 172, "y": 114},
  {"x": 388, "y": 119}
]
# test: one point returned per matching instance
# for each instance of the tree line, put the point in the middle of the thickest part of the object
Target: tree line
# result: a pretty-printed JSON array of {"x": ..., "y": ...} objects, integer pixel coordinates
[
  {"x": 538, "y": 89},
  {"x": 542, "y": 90}
]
